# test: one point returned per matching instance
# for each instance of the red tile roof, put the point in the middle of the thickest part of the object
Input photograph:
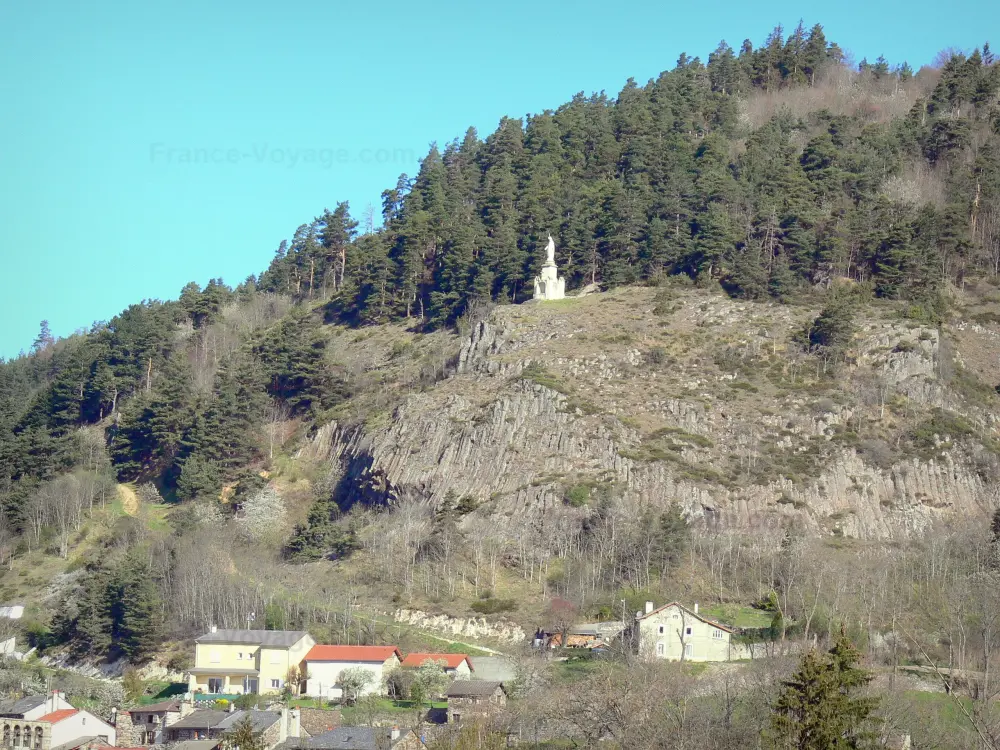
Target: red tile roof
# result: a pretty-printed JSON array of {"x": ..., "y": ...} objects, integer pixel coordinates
[
  {"x": 451, "y": 661},
  {"x": 56, "y": 716},
  {"x": 352, "y": 653}
]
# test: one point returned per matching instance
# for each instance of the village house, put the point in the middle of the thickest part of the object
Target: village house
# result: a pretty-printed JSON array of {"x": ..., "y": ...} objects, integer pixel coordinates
[
  {"x": 232, "y": 662},
  {"x": 315, "y": 721},
  {"x": 323, "y": 666},
  {"x": 70, "y": 724},
  {"x": 474, "y": 699},
  {"x": 456, "y": 666},
  {"x": 23, "y": 733},
  {"x": 34, "y": 707},
  {"x": 145, "y": 725},
  {"x": 675, "y": 633},
  {"x": 273, "y": 727},
  {"x": 47, "y": 722}
]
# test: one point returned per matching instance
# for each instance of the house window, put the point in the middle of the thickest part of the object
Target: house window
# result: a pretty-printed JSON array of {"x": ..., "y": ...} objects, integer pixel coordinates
[
  {"x": 215, "y": 684},
  {"x": 717, "y": 634},
  {"x": 38, "y": 738},
  {"x": 239, "y": 656},
  {"x": 457, "y": 717},
  {"x": 677, "y": 617},
  {"x": 660, "y": 650},
  {"x": 215, "y": 657},
  {"x": 17, "y": 736},
  {"x": 276, "y": 684},
  {"x": 661, "y": 630},
  {"x": 687, "y": 631},
  {"x": 688, "y": 651}
]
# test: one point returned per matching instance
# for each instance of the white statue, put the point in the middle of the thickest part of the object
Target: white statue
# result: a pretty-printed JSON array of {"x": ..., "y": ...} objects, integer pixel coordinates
[{"x": 548, "y": 284}]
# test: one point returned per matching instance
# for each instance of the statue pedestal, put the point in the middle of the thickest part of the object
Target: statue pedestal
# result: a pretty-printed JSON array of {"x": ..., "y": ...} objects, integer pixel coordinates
[{"x": 548, "y": 284}]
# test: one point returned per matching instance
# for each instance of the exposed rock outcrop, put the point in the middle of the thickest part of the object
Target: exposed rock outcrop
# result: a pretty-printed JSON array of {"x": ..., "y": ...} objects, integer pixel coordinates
[{"x": 541, "y": 401}]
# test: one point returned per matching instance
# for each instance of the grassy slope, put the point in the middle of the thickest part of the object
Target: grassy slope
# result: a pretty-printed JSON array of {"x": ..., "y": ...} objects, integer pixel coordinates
[{"x": 687, "y": 328}]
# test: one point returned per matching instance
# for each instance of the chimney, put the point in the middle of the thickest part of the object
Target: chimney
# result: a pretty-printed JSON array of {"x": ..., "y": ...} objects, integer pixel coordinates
[
  {"x": 696, "y": 607},
  {"x": 213, "y": 629},
  {"x": 290, "y": 724},
  {"x": 394, "y": 734},
  {"x": 187, "y": 705},
  {"x": 649, "y": 607}
]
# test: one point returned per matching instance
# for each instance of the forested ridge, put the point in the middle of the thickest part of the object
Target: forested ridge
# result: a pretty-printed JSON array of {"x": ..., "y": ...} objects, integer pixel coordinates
[{"x": 778, "y": 173}]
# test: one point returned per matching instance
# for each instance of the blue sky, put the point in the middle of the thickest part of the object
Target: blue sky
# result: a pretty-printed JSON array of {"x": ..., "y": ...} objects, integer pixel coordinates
[{"x": 147, "y": 144}]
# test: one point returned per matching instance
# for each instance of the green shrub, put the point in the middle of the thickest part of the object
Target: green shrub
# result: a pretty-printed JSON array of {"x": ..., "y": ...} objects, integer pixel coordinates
[
  {"x": 657, "y": 355},
  {"x": 537, "y": 373},
  {"x": 577, "y": 495},
  {"x": 493, "y": 606}
]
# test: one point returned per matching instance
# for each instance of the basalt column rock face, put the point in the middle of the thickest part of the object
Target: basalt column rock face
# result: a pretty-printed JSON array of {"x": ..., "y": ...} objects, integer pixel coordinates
[{"x": 540, "y": 403}]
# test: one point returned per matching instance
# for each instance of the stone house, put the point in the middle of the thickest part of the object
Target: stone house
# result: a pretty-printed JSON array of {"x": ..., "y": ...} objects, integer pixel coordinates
[
  {"x": 472, "y": 699},
  {"x": 456, "y": 666},
  {"x": 675, "y": 633},
  {"x": 22, "y": 733},
  {"x": 323, "y": 666},
  {"x": 146, "y": 725},
  {"x": 272, "y": 726},
  {"x": 316, "y": 721},
  {"x": 233, "y": 662}
]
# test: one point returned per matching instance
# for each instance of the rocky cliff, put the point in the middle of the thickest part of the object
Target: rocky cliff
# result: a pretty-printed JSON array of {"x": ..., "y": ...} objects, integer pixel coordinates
[{"x": 659, "y": 396}]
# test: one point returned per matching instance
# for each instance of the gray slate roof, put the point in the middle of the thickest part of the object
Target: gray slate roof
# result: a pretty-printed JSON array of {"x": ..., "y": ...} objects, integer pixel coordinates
[
  {"x": 473, "y": 688},
  {"x": 17, "y": 708},
  {"x": 163, "y": 706},
  {"x": 78, "y": 742},
  {"x": 352, "y": 738},
  {"x": 261, "y": 720},
  {"x": 224, "y": 721},
  {"x": 278, "y": 638},
  {"x": 203, "y": 718},
  {"x": 192, "y": 745}
]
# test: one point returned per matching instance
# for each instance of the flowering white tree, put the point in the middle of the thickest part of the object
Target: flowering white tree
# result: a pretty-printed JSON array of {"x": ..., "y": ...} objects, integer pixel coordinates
[{"x": 263, "y": 516}]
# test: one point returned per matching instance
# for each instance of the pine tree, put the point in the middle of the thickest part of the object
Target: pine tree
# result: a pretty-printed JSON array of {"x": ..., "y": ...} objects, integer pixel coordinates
[{"x": 819, "y": 709}]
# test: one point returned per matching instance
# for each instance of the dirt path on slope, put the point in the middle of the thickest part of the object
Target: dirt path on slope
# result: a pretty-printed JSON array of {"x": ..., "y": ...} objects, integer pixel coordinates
[{"x": 130, "y": 501}]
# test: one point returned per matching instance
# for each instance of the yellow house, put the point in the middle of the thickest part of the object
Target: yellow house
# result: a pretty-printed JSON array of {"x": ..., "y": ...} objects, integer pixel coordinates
[
  {"x": 247, "y": 661},
  {"x": 676, "y": 633}
]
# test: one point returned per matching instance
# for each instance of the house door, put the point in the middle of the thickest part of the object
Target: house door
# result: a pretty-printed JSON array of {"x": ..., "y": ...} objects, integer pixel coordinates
[
  {"x": 215, "y": 684},
  {"x": 250, "y": 685},
  {"x": 688, "y": 651}
]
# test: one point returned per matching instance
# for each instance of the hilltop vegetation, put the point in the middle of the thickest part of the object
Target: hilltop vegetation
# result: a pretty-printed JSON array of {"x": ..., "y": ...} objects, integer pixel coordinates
[{"x": 793, "y": 360}]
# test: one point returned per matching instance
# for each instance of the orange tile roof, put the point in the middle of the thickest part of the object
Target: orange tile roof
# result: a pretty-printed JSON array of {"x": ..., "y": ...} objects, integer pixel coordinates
[
  {"x": 56, "y": 716},
  {"x": 352, "y": 653},
  {"x": 451, "y": 661}
]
